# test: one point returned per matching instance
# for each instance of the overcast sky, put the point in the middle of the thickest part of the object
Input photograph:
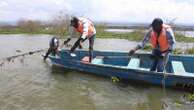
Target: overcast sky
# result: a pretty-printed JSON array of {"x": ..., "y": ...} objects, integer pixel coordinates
[{"x": 100, "y": 10}]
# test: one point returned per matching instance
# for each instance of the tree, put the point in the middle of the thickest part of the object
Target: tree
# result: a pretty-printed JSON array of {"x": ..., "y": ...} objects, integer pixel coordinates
[
  {"x": 60, "y": 24},
  {"x": 29, "y": 26}
]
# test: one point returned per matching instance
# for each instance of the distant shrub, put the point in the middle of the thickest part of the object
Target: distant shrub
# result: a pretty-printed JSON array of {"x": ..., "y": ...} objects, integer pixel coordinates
[
  {"x": 190, "y": 51},
  {"x": 29, "y": 26},
  {"x": 180, "y": 37},
  {"x": 60, "y": 25}
]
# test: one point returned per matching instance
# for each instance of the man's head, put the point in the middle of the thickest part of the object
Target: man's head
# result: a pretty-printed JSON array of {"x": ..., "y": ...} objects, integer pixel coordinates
[
  {"x": 157, "y": 25},
  {"x": 54, "y": 43},
  {"x": 74, "y": 22}
]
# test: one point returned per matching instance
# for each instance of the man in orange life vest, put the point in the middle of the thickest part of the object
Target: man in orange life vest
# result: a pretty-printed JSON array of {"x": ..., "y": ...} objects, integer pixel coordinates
[
  {"x": 87, "y": 30},
  {"x": 162, "y": 40}
]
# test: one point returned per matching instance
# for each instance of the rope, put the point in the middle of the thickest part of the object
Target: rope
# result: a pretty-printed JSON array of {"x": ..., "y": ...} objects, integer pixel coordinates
[
  {"x": 164, "y": 104},
  {"x": 10, "y": 58}
]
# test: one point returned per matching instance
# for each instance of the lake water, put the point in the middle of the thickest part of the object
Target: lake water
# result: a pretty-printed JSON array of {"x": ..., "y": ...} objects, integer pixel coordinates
[
  {"x": 29, "y": 83},
  {"x": 186, "y": 33},
  {"x": 119, "y": 30}
]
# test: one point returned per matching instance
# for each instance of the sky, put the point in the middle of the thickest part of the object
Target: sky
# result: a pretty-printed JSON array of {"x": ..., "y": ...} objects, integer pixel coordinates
[{"x": 137, "y": 11}]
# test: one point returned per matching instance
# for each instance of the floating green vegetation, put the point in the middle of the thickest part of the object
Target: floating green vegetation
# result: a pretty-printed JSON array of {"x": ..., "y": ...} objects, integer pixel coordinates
[{"x": 190, "y": 51}]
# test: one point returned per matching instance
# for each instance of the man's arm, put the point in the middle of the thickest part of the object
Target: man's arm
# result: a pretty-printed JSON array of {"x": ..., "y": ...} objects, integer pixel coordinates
[
  {"x": 171, "y": 39},
  {"x": 71, "y": 31},
  {"x": 85, "y": 30},
  {"x": 76, "y": 44},
  {"x": 145, "y": 40},
  {"x": 66, "y": 41},
  {"x": 142, "y": 43},
  {"x": 47, "y": 53}
]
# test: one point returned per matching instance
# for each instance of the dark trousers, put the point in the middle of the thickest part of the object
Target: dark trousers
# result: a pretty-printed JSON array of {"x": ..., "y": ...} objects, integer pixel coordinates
[
  {"x": 52, "y": 51},
  {"x": 158, "y": 63},
  {"x": 91, "y": 44}
]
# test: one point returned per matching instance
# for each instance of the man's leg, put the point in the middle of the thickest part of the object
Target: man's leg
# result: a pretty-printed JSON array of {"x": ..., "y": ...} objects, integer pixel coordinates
[
  {"x": 156, "y": 54},
  {"x": 91, "y": 44},
  {"x": 162, "y": 63},
  {"x": 154, "y": 65},
  {"x": 160, "y": 66},
  {"x": 47, "y": 53},
  {"x": 81, "y": 44}
]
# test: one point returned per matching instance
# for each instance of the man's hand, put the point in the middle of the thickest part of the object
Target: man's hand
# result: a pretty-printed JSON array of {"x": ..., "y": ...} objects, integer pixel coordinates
[
  {"x": 80, "y": 46},
  {"x": 44, "y": 57},
  {"x": 131, "y": 52},
  {"x": 76, "y": 44},
  {"x": 66, "y": 41},
  {"x": 68, "y": 45}
]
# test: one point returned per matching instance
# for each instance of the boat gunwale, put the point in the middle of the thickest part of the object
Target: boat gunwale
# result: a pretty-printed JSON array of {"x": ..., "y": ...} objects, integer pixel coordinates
[{"x": 129, "y": 69}]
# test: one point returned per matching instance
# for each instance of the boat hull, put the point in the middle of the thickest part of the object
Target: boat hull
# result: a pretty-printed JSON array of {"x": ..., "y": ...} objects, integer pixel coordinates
[{"x": 112, "y": 69}]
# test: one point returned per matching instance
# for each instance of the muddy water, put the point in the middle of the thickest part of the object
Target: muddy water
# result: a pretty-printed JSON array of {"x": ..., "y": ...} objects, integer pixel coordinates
[{"x": 29, "y": 83}]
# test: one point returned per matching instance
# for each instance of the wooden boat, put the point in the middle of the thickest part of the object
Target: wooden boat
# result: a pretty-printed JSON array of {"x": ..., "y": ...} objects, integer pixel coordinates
[{"x": 179, "y": 71}]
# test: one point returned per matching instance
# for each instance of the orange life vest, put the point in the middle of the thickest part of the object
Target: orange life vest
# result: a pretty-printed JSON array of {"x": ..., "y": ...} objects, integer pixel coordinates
[
  {"x": 161, "y": 40},
  {"x": 91, "y": 29}
]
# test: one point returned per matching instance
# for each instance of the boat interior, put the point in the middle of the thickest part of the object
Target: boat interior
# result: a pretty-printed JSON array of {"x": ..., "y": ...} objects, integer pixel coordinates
[{"x": 177, "y": 64}]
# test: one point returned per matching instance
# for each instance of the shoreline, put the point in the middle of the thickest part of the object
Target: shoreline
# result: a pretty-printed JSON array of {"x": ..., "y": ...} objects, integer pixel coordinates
[{"x": 110, "y": 42}]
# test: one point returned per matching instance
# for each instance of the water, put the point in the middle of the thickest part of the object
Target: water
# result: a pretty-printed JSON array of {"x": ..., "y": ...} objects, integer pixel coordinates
[
  {"x": 29, "y": 83},
  {"x": 186, "y": 33},
  {"x": 190, "y": 33},
  {"x": 10, "y": 43},
  {"x": 119, "y": 30}
]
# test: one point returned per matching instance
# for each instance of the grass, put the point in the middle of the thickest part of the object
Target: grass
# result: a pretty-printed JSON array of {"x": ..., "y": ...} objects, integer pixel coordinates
[
  {"x": 189, "y": 51},
  {"x": 133, "y": 36},
  {"x": 182, "y": 38},
  {"x": 136, "y": 35},
  {"x": 22, "y": 31},
  {"x": 177, "y": 51}
]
